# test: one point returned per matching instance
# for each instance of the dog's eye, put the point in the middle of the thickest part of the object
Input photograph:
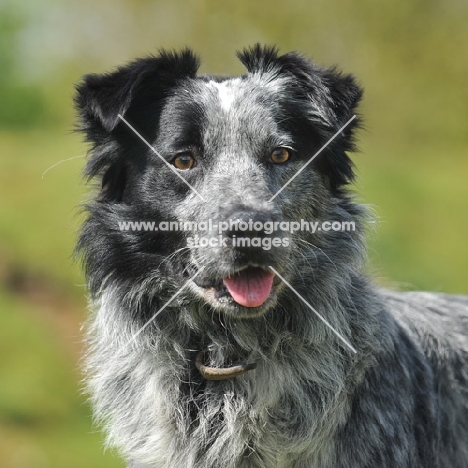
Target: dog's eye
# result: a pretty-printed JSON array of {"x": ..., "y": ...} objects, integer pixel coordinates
[
  {"x": 184, "y": 161},
  {"x": 280, "y": 155}
]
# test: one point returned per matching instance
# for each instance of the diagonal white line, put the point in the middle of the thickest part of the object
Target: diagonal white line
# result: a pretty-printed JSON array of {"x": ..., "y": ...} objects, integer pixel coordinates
[
  {"x": 160, "y": 310},
  {"x": 312, "y": 158},
  {"x": 314, "y": 311},
  {"x": 160, "y": 157}
]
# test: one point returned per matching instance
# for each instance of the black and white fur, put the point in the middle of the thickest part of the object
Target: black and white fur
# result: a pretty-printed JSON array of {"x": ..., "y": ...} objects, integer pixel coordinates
[{"x": 400, "y": 401}]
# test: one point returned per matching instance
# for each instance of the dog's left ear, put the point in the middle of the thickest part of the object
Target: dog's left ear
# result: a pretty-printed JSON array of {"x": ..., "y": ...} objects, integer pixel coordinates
[
  {"x": 335, "y": 95},
  {"x": 345, "y": 95},
  {"x": 329, "y": 100}
]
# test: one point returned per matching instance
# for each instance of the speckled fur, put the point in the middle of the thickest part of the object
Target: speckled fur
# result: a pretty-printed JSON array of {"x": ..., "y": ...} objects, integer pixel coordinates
[{"x": 401, "y": 401}]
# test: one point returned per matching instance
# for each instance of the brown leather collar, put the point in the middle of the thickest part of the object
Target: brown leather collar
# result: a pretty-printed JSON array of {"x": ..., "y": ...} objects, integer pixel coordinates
[{"x": 220, "y": 373}]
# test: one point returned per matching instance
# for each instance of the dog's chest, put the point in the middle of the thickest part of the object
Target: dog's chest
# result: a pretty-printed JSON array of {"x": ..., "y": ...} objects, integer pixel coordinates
[{"x": 258, "y": 424}]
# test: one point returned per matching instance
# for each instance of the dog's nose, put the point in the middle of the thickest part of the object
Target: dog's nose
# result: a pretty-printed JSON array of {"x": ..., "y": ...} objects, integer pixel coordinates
[{"x": 250, "y": 224}]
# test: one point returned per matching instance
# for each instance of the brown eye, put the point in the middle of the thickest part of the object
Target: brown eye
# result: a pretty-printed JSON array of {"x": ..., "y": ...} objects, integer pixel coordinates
[
  {"x": 280, "y": 155},
  {"x": 184, "y": 162}
]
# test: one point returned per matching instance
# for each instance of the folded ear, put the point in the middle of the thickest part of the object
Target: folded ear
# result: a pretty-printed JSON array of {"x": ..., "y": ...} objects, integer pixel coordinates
[
  {"x": 345, "y": 96},
  {"x": 101, "y": 98},
  {"x": 336, "y": 95},
  {"x": 324, "y": 97}
]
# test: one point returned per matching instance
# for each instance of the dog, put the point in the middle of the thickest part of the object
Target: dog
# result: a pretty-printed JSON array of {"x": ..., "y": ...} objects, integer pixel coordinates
[{"x": 277, "y": 351}]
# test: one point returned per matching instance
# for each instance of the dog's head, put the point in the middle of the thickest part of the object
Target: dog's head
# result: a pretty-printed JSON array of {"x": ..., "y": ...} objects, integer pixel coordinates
[{"x": 234, "y": 156}]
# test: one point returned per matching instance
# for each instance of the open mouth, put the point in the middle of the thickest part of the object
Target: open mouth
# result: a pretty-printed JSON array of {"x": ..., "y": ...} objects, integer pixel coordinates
[{"x": 250, "y": 287}]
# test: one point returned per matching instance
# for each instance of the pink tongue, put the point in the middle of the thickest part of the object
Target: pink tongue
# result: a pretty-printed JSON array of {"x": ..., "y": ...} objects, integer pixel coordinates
[{"x": 250, "y": 287}]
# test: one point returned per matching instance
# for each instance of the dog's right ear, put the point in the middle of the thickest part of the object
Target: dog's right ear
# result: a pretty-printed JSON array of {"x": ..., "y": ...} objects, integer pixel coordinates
[{"x": 101, "y": 98}]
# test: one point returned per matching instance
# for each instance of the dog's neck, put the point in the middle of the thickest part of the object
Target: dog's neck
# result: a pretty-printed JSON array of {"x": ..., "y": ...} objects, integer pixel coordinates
[{"x": 303, "y": 373}]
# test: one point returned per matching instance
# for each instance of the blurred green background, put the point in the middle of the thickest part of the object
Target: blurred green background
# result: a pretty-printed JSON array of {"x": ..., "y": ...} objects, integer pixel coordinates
[{"x": 410, "y": 55}]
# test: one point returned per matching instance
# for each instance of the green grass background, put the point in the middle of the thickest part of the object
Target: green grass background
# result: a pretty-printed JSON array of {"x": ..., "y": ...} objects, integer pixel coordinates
[{"x": 411, "y": 57}]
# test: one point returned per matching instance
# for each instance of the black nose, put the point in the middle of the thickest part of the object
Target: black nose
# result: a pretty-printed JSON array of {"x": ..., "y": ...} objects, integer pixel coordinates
[{"x": 250, "y": 224}]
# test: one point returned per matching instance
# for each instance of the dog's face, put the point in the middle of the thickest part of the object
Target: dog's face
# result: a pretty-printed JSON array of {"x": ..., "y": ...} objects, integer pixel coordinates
[{"x": 224, "y": 151}]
